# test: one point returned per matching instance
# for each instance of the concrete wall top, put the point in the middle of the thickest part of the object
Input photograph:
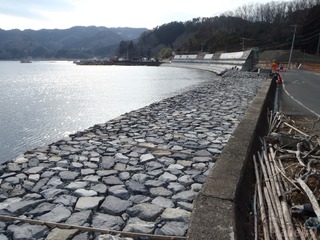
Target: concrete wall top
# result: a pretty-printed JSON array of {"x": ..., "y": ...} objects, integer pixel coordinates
[
  {"x": 208, "y": 56},
  {"x": 242, "y": 60},
  {"x": 185, "y": 57},
  {"x": 236, "y": 55},
  {"x": 233, "y": 55}
]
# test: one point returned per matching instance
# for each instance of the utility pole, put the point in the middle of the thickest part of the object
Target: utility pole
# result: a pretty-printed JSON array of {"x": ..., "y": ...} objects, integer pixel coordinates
[
  {"x": 242, "y": 43},
  {"x": 318, "y": 46},
  {"x": 294, "y": 36}
]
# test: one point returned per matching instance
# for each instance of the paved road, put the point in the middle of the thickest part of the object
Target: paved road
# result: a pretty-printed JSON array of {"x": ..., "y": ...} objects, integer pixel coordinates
[{"x": 300, "y": 93}]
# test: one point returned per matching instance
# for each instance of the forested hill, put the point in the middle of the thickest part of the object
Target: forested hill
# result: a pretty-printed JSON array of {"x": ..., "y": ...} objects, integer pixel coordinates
[
  {"x": 73, "y": 43},
  {"x": 267, "y": 26}
]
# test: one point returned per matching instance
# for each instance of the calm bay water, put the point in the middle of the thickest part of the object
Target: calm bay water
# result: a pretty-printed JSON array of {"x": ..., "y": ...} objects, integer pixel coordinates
[{"x": 43, "y": 102}]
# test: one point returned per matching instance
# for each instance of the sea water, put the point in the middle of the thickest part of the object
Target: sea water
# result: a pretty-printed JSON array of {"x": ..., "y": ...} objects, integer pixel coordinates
[{"x": 42, "y": 102}]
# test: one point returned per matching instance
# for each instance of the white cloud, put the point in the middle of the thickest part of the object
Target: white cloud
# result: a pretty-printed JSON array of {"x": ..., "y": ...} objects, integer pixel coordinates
[{"x": 37, "y": 14}]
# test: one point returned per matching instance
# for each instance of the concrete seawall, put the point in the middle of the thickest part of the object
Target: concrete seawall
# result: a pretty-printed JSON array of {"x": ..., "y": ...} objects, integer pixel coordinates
[{"x": 222, "y": 208}]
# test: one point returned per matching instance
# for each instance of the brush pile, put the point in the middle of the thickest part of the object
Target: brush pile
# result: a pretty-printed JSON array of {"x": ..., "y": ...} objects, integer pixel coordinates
[{"x": 287, "y": 169}]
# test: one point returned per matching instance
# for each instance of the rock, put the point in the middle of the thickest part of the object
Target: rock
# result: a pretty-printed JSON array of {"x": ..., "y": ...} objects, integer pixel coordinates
[
  {"x": 185, "y": 196},
  {"x": 27, "y": 231},
  {"x": 175, "y": 187},
  {"x": 112, "y": 180},
  {"x": 87, "y": 171},
  {"x": 120, "y": 156},
  {"x": 160, "y": 191},
  {"x": 82, "y": 236},
  {"x": 68, "y": 175},
  {"x": 214, "y": 151},
  {"x": 136, "y": 188},
  {"x": 200, "y": 178},
  {"x": 79, "y": 218},
  {"x": 61, "y": 234},
  {"x": 139, "y": 199},
  {"x": 20, "y": 160},
  {"x": 185, "y": 180},
  {"x": 140, "y": 177},
  {"x": 34, "y": 177},
  {"x": 146, "y": 157},
  {"x": 92, "y": 178},
  {"x": 62, "y": 164},
  {"x": 153, "y": 165},
  {"x": 3, "y": 237},
  {"x": 104, "y": 173},
  {"x": 66, "y": 200},
  {"x": 145, "y": 211},
  {"x": 163, "y": 202},
  {"x": 203, "y": 153},
  {"x": 50, "y": 193},
  {"x": 14, "y": 167},
  {"x": 110, "y": 237},
  {"x": 119, "y": 191},
  {"x": 139, "y": 226},
  {"x": 100, "y": 188},
  {"x": 35, "y": 170},
  {"x": 85, "y": 193},
  {"x": 54, "y": 182},
  {"x": 172, "y": 229},
  {"x": 76, "y": 165},
  {"x": 20, "y": 207},
  {"x": 107, "y": 162},
  {"x": 42, "y": 209},
  {"x": 186, "y": 206},
  {"x": 33, "y": 162},
  {"x": 200, "y": 166},
  {"x": 105, "y": 221},
  {"x": 201, "y": 159},
  {"x": 120, "y": 167},
  {"x": 58, "y": 214},
  {"x": 196, "y": 187},
  {"x": 90, "y": 165},
  {"x": 76, "y": 185},
  {"x": 123, "y": 176},
  {"x": 156, "y": 173},
  {"x": 40, "y": 184},
  {"x": 4, "y": 204},
  {"x": 88, "y": 203},
  {"x": 115, "y": 206},
  {"x": 175, "y": 214},
  {"x": 154, "y": 183},
  {"x": 175, "y": 166},
  {"x": 54, "y": 159},
  {"x": 167, "y": 177}
]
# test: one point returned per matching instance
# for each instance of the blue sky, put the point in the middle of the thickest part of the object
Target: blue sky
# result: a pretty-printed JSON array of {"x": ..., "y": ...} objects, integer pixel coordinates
[{"x": 62, "y": 14}]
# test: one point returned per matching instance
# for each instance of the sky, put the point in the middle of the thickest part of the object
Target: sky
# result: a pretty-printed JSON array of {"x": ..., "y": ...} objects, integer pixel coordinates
[{"x": 63, "y": 14}]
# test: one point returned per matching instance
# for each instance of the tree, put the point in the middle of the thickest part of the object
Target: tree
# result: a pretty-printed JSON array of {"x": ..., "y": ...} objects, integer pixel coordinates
[{"x": 165, "y": 53}]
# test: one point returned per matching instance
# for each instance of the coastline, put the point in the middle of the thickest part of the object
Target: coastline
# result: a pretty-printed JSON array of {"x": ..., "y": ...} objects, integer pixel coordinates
[{"x": 153, "y": 160}]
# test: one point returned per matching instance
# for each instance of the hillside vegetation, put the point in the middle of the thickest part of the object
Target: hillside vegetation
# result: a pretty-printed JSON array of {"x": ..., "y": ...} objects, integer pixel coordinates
[
  {"x": 267, "y": 26},
  {"x": 72, "y": 43}
]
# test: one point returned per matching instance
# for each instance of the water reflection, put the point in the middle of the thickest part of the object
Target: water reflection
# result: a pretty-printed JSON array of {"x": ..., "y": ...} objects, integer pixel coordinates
[{"x": 43, "y": 101}]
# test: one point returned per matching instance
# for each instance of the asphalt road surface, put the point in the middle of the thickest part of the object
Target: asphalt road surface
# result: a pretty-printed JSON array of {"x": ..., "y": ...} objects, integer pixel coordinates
[{"x": 300, "y": 93}]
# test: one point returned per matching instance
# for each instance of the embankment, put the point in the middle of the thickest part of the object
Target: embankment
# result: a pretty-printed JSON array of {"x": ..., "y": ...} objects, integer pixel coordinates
[
  {"x": 153, "y": 161},
  {"x": 222, "y": 208}
]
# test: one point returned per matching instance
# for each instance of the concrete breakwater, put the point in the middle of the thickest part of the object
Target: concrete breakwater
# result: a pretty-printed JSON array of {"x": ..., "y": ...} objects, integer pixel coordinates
[{"x": 137, "y": 173}]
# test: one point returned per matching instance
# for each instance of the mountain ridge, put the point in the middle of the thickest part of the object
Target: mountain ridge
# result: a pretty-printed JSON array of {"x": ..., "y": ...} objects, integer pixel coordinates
[{"x": 75, "y": 42}]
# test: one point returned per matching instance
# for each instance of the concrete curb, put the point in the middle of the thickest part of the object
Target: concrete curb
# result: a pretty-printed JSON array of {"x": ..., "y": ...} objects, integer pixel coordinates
[{"x": 222, "y": 208}]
